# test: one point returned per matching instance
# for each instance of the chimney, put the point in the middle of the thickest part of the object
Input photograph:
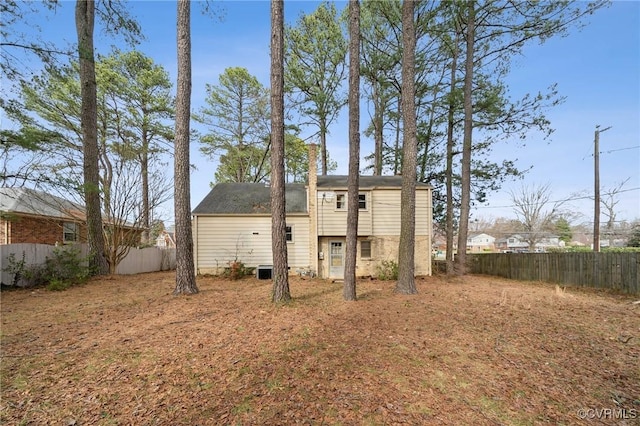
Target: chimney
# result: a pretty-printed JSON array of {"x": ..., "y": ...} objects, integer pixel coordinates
[{"x": 312, "y": 202}]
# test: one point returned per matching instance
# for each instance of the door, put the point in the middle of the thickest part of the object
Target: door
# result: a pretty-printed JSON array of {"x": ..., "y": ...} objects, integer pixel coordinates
[{"x": 336, "y": 259}]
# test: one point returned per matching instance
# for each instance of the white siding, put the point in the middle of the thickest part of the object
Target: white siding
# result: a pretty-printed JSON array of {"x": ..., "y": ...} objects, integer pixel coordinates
[
  {"x": 386, "y": 207},
  {"x": 382, "y": 216},
  {"x": 333, "y": 222},
  {"x": 223, "y": 239}
]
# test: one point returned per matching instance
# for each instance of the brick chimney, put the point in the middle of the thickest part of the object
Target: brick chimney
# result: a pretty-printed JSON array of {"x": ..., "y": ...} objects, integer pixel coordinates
[{"x": 312, "y": 202}]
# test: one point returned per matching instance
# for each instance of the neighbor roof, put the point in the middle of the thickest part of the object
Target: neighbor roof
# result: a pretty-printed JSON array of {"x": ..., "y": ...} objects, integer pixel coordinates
[
  {"x": 366, "y": 182},
  {"x": 250, "y": 198},
  {"x": 32, "y": 202}
]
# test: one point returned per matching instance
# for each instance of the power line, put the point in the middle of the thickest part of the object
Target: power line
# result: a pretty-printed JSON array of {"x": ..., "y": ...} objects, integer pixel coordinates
[
  {"x": 613, "y": 150},
  {"x": 619, "y": 149}
]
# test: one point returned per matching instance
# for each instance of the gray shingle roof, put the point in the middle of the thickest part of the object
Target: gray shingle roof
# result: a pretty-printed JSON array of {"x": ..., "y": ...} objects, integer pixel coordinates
[
  {"x": 250, "y": 198},
  {"x": 32, "y": 202},
  {"x": 366, "y": 182}
]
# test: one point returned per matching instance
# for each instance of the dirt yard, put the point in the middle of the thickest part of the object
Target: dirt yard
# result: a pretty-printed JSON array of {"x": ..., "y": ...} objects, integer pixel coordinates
[{"x": 472, "y": 351}]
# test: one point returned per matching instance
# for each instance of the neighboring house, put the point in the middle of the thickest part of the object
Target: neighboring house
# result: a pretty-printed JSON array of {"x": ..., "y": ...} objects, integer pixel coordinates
[
  {"x": 30, "y": 216},
  {"x": 512, "y": 244},
  {"x": 166, "y": 240},
  {"x": 480, "y": 243},
  {"x": 517, "y": 244},
  {"x": 233, "y": 223}
]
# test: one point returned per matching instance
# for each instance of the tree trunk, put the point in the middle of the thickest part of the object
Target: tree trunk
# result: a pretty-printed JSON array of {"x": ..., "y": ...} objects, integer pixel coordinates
[
  {"x": 85, "y": 16},
  {"x": 396, "y": 152},
  {"x": 278, "y": 207},
  {"x": 378, "y": 123},
  {"x": 353, "y": 181},
  {"x": 406, "y": 252},
  {"x": 185, "y": 273},
  {"x": 144, "y": 170},
  {"x": 449, "y": 228},
  {"x": 465, "y": 174},
  {"x": 323, "y": 145}
]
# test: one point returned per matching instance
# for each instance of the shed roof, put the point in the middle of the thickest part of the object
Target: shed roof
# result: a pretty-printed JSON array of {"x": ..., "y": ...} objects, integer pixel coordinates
[
  {"x": 250, "y": 198},
  {"x": 33, "y": 202}
]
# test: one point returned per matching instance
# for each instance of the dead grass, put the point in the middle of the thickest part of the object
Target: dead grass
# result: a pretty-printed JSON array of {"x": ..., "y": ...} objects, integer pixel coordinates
[{"x": 482, "y": 351}]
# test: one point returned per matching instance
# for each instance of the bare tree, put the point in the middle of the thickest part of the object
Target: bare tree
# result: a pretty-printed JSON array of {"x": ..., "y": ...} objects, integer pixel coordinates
[
  {"x": 609, "y": 201},
  {"x": 85, "y": 18},
  {"x": 406, "y": 252},
  {"x": 278, "y": 206},
  {"x": 535, "y": 211},
  {"x": 185, "y": 273},
  {"x": 353, "y": 181}
]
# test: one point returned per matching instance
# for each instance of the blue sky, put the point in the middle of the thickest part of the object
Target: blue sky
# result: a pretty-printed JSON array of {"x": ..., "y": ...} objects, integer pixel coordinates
[{"x": 596, "y": 68}]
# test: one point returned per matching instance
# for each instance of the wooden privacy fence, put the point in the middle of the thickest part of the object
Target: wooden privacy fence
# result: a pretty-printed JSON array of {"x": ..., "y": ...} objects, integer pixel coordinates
[
  {"x": 137, "y": 261},
  {"x": 617, "y": 271}
]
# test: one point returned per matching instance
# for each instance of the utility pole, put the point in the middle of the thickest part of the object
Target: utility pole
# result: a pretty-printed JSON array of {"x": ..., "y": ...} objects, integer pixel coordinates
[{"x": 596, "y": 190}]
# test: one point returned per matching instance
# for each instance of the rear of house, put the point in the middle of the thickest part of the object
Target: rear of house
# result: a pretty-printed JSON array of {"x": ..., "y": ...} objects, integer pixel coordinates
[
  {"x": 233, "y": 224},
  {"x": 378, "y": 225}
]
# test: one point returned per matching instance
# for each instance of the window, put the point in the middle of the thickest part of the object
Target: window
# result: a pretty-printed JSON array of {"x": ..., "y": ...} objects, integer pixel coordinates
[
  {"x": 289, "y": 233},
  {"x": 69, "y": 232},
  {"x": 365, "y": 249},
  {"x": 341, "y": 201},
  {"x": 362, "y": 201}
]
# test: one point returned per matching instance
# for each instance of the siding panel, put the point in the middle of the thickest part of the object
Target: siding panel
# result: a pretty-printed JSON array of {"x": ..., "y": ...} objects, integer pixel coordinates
[
  {"x": 332, "y": 222},
  {"x": 223, "y": 239}
]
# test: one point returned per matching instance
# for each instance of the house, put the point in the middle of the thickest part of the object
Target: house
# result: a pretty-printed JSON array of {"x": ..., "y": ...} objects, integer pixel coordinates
[
  {"x": 166, "y": 240},
  {"x": 31, "y": 216},
  {"x": 233, "y": 223},
  {"x": 479, "y": 243},
  {"x": 517, "y": 243},
  {"x": 512, "y": 244}
]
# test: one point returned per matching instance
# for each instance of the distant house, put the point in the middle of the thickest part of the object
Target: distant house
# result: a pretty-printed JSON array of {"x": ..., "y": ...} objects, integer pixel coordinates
[
  {"x": 166, "y": 240},
  {"x": 30, "y": 216},
  {"x": 512, "y": 244},
  {"x": 517, "y": 243},
  {"x": 233, "y": 223},
  {"x": 480, "y": 243}
]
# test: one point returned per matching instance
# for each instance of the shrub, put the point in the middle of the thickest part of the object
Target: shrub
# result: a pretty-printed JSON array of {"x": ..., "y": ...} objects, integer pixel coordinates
[
  {"x": 388, "y": 270},
  {"x": 15, "y": 267},
  {"x": 237, "y": 270},
  {"x": 58, "y": 285},
  {"x": 65, "y": 268},
  {"x": 23, "y": 275}
]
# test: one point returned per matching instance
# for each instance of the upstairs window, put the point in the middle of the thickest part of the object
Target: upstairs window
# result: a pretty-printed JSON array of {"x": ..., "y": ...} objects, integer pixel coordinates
[
  {"x": 362, "y": 201},
  {"x": 289, "y": 233},
  {"x": 341, "y": 201}
]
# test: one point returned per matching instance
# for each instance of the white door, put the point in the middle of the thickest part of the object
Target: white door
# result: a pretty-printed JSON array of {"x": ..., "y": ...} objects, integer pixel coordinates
[{"x": 336, "y": 259}]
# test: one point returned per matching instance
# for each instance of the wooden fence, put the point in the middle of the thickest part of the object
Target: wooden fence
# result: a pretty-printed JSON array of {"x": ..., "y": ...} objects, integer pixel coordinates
[
  {"x": 137, "y": 261},
  {"x": 616, "y": 271}
]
